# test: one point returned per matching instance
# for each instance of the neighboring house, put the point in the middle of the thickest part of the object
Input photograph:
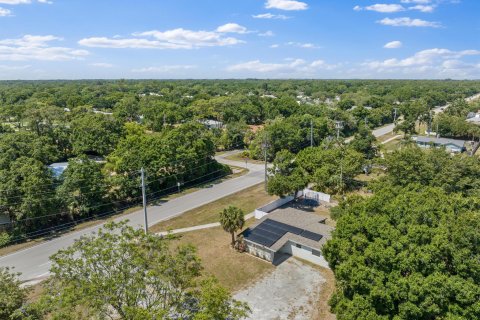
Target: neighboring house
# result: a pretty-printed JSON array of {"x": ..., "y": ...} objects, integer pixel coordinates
[
  {"x": 212, "y": 124},
  {"x": 474, "y": 118},
  {"x": 288, "y": 231},
  {"x": 58, "y": 168},
  {"x": 451, "y": 145}
]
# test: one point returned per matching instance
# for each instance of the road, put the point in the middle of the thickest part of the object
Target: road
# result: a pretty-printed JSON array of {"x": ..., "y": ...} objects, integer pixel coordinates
[
  {"x": 33, "y": 263},
  {"x": 389, "y": 128}
]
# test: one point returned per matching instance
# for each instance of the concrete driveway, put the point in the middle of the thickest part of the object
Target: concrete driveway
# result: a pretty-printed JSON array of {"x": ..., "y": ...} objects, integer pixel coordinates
[{"x": 291, "y": 291}]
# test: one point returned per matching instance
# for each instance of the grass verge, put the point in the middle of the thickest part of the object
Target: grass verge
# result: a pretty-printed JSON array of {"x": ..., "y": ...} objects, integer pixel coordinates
[{"x": 247, "y": 200}]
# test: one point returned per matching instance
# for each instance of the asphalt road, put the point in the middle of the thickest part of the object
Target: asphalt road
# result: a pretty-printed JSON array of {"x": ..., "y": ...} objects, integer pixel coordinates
[{"x": 33, "y": 263}]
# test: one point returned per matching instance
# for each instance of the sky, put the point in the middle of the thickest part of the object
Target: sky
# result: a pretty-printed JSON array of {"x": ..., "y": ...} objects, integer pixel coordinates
[{"x": 176, "y": 39}]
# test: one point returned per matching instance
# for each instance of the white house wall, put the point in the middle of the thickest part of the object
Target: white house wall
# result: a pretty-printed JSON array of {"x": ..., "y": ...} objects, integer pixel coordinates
[{"x": 304, "y": 253}]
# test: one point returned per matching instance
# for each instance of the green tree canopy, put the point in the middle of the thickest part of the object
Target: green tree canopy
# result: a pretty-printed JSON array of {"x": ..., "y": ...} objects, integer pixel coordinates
[
  {"x": 407, "y": 253},
  {"x": 124, "y": 273}
]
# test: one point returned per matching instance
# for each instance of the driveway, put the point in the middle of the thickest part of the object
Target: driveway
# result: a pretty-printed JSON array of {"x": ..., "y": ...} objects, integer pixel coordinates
[{"x": 291, "y": 291}]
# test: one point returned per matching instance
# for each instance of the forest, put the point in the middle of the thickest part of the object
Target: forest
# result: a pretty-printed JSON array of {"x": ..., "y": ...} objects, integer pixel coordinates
[{"x": 108, "y": 130}]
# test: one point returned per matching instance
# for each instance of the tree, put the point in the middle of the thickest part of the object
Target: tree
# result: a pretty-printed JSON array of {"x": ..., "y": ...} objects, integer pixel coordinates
[
  {"x": 28, "y": 192},
  {"x": 83, "y": 189},
  {"x": 127, "y": 274},
  {"x": 232, "y": 219},
  {"x": 407, "y": 253},
  {"x": 364, "y": 142},
  {"x": 12, "y": 296},
  {"x": 95, "y": 134},
  {"x": 331, "y": 170},
  {"x": 286, "y": 176}
]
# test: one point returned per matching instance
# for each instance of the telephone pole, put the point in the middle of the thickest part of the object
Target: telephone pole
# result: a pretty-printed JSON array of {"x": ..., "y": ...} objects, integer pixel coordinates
[
  {"x": 144, "y": 196},
  {"x": 338, "y": 126}
]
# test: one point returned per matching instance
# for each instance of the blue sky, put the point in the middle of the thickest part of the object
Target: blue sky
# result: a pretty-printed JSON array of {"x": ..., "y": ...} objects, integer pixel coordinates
[{"x": 164, "y": 39}]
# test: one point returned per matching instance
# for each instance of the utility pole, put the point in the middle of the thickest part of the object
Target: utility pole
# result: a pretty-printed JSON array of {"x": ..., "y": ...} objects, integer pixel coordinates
[
  {"x": 144, "y": 196},
  {"x": 311, "y": 133},
  {"x": 338, "y": 126}
]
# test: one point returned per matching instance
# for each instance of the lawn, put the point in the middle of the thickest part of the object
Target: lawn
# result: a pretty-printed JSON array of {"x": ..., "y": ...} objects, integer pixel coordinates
[
  {"x": 240, "y": 157},
  {"x": 234, "y": 270},
  {"x": 247, "y": 200}
]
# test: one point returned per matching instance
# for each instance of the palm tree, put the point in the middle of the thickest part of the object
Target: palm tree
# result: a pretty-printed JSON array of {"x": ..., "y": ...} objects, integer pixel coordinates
[{"x": 232, "y": 219}]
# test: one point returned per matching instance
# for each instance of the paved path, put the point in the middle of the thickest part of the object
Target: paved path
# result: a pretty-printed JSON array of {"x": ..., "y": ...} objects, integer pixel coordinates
[
  {"x": 34, "y": 263},
  {"x": 199, "y": 227}
]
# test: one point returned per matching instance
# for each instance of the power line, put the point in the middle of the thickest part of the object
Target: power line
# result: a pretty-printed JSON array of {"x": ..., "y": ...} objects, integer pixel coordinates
[
  {"x": 106, "y": 204},
  {"x": 41, "y": 232}
]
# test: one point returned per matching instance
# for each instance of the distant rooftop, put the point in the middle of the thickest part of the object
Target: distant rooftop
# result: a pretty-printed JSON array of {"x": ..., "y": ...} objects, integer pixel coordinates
[{"x": 440, "y": 141}]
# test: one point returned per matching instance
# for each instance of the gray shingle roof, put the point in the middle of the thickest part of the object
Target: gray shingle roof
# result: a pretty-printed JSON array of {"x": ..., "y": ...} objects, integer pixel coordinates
[{"x": 441, "y": 141}]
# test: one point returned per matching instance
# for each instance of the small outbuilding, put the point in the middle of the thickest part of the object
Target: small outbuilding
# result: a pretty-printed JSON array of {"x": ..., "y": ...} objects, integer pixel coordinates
[{"x": 288, "y": 232}]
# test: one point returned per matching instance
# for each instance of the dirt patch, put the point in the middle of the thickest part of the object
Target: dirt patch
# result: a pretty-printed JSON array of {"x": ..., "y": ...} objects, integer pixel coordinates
[{"x": 291, "y": 291}]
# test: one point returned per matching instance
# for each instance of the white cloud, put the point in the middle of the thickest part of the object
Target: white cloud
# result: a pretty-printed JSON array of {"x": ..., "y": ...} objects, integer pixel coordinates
[
  {"x": 267, "y": 34},
  {"x": 408, "y": 22},
  {"x": 270, "y": 16},
  {"x": 302, "y": 45},
  {"x": 5, "y": 12},
  {"x": 274, "y": 46},
  {"x": 171, "y": 39},
  {"x": 164, "y": 69},
  {"x": 289, "y": 5},
  {"x": 423, "y": 58},
  {"x": 31, "y": 47},
  {"x": 293, "y": 66},
  {"x": 385, "y": 8},
  {"x": 423, "y": 8},
  {"x": 416, "y": 1},
  {"x": 13, "y": 68},
  {"x": 430, "y": 63},
  {"x": 15, "y": 2},
  {"x": 393, "y": 45},
  {"x": 232, "y": 28},
  {"x": 102, "y": 65}
]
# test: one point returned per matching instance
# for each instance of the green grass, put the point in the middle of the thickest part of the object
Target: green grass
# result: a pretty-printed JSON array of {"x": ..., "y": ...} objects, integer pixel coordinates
[{"x": 247, "y": 200}]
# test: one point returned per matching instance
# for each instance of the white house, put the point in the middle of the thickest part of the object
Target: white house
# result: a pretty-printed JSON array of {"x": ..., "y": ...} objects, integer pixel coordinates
[
  {"x": 451, "y": 145},
  {"x": 288, "y": 232}
]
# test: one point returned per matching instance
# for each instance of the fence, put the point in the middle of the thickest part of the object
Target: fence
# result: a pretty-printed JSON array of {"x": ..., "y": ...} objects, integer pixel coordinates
[{"x": 306, "y": 193}]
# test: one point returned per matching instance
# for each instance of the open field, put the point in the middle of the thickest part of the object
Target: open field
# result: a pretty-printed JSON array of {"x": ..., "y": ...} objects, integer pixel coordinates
[{"x": 247, "y": 200}]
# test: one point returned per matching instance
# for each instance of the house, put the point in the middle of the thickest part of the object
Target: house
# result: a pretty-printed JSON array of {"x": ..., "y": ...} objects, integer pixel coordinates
[
  {"x": 451, "y": 145},
  {"x": 58, "y": 168},
  {"x": 288, "y": 231},
  {"x": 474, "y": 118},
  {"x": 212, "y": 124}
]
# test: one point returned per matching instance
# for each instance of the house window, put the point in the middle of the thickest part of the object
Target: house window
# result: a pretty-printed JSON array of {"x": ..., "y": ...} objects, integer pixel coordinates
[
  {"x": 316, "y": 253},
  {"x": 298, "y": 245}
]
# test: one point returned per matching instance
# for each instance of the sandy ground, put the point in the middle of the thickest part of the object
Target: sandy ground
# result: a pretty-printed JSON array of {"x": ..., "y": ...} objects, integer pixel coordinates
[{"x": 291, "y": 291}]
